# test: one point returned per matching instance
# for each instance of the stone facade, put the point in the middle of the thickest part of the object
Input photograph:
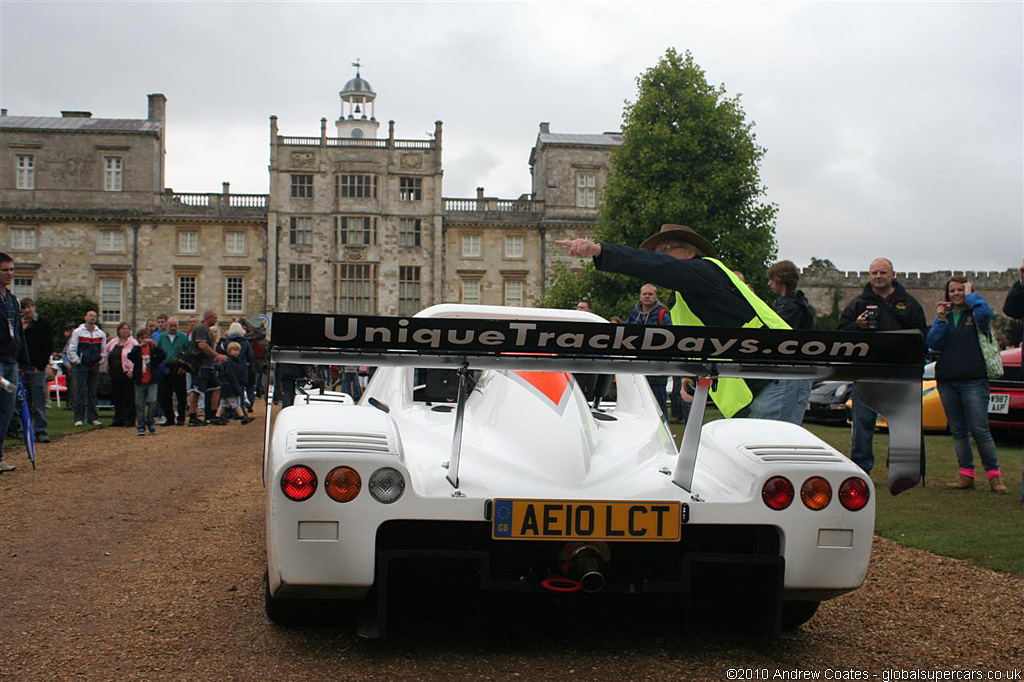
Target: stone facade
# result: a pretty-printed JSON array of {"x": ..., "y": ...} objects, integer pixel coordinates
[
  {"x": 358, "y": 223},
  {"x": 89, "y": 214},
  {"x": 353, "y": 223}
]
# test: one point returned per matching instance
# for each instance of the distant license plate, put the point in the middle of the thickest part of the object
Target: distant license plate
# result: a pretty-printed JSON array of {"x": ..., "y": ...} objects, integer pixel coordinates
[
  {"x": 588, "y": 520},
  {"x": 999, "y": 403}
]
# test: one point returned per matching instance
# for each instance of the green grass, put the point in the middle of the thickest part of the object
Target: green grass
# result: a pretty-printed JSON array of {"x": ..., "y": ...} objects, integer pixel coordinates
[
  {"x": 61, "y": 422},
  {"x": 977, "y": 525}
]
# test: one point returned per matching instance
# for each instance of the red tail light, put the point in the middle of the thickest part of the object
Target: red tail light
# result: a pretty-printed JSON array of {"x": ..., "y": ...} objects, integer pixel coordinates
[
  {"x": 298, "y": 483},
  {"x": 854, "y": 494},
  {"x": 816, "y": 493},
  {"x": 777, "y": 493}
]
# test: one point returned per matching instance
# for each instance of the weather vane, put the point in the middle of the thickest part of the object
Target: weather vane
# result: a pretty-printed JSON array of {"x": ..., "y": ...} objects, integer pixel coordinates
[{"x": 356, "y": 64}]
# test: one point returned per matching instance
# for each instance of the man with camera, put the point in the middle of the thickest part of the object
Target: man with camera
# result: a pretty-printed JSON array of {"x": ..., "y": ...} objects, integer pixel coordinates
[{"x": 883, "y": 306}]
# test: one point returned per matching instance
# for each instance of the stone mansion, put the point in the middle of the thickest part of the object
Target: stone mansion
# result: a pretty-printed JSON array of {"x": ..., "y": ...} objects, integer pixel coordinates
[{"x": 353, "y": 222}]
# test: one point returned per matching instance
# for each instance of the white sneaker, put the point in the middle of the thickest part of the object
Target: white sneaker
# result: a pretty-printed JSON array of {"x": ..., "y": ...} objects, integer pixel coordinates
[
  {"x": 78, "y": 423},
  {"x": 96, "y": 422},
  {"x": 5, "y": 467}
]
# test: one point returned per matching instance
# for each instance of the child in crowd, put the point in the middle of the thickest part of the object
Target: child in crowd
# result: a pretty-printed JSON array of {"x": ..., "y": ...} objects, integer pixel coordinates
[
  {"x": 146, "y": 358},
  {"x": 231, "y": 387}
]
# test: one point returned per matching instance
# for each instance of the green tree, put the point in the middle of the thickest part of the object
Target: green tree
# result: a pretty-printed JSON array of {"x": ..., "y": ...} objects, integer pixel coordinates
[
  {"x": 62, "y": 308},
  {"x": 820, "y": 265},
  {"x": 689, "y": 157}
]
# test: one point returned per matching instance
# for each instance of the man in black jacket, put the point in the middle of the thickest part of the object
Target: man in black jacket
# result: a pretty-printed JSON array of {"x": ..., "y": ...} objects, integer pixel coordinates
[
  {"x": 1013, "y": 307},
  {"x": 39, "y": 337},
  {"x": 13, "y": 351},
  {"x": 883, "y": 306}
]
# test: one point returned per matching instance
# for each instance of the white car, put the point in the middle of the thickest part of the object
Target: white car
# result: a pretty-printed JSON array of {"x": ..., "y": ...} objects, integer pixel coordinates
[{"x": 474, "y": 442}]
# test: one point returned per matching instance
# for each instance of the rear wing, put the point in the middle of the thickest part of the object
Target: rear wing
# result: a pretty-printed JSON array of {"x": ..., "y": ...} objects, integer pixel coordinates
[{"x": 886, "y": 366}]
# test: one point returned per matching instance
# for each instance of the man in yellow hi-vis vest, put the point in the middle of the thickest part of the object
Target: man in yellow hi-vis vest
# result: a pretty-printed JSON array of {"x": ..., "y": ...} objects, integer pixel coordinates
[{"x": 705, "y": 293}]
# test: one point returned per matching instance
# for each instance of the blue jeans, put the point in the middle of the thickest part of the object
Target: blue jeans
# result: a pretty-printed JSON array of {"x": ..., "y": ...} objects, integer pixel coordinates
[
  {"x": 9, "y": 371},
  {"x": 966, "y": 406},
  {"x": 775, "y": 401},
  {"x": 145, "y": 397},
  {"x": 801, "y": 390},
  {"x": 35, "y": 386},
  {"x": 86, "y": 381},
  {"x": 863, "y": 434},
  {"x": 659, "y": 386}
]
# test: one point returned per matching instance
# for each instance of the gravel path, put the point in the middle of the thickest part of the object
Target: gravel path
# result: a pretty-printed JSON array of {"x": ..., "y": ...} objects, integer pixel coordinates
[{"x": 142, "y": 558}]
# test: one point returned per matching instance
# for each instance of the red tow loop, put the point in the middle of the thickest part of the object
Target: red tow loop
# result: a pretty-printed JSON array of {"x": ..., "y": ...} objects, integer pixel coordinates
[{"x": 559, "y": 583}]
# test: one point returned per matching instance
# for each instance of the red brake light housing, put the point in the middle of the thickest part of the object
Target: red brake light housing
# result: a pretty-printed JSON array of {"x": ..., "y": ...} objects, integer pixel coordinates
[
  {"x": 816, "y": 493},
  {"x": 854, "y": 494},
  {"x": 298, "y": 483},
  {"x": 777, "y": 493},
  {"x": 343, "y": 484}
]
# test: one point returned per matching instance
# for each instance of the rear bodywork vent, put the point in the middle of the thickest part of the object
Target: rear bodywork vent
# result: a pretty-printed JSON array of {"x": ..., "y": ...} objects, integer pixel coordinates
[
  {"x": 325, "y": 441},
  {"x": 792, "y": 454}
]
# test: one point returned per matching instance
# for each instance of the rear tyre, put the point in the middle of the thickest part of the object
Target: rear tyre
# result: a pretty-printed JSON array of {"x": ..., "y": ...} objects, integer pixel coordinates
[{"x": 796, "y": 613}]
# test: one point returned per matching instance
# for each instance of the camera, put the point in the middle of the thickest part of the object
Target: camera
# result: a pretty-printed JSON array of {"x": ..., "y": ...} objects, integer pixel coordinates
[{"x": 871, "y": 315}]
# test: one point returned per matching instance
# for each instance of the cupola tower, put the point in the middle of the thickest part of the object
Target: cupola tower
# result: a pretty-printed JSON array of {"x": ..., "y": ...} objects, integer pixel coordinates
[{"x": 357, "y": 108}]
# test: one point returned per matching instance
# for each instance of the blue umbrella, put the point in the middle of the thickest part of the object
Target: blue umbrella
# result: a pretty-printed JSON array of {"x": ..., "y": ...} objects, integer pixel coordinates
[{"x": 27, "y": 427}]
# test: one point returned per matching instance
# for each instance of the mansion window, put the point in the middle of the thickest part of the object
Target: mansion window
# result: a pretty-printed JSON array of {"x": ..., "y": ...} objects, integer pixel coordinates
[
  {"x": 23, "y": 238},
  {"x": 300, "y": 288},
  {"x": 234, "y": 294},
  {"x": 234, "y": 243},
  {"x": 111, "y": 289},
  {"x": 471, "y": 291},
  {"x": 514, "y": 246},
  {"x": 408, "y": 289},
  {"x": 302, "y": 186},
  {"x": 26, "y": 171},
  {"x": 355, "y": 288},
  {"x": 23, "y": 287},
  {"x": 586, "y": 189},
  {"x": 113, "y": 167},
  {"x": 410, "y": 189},
  {"x": 112, "y": 240},
  {"x": 301, "y": 231},
  {"x": 187, "y": 293},
  {"x": 470, "y": 246},
  {"x": 188, "y": 242},
  {"x": 355, "y": 230},
  {"x": 409, "y": 232},
  {"x": 514, "y": 292},
  {"x": 355, "y": 186}
]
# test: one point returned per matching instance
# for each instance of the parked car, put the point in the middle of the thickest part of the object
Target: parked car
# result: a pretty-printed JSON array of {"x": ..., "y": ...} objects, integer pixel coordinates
[
  {"x": 827, "y": 403},
  {"x": 1005, "y": 399}
]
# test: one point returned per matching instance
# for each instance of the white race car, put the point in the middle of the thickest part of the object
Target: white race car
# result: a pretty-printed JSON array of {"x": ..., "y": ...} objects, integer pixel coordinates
[{"x": 476, "y": 443}]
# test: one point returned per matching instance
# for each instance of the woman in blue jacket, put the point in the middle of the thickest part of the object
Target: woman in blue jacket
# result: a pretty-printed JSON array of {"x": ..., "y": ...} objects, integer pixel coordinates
[{"x": 963, "y": 381}]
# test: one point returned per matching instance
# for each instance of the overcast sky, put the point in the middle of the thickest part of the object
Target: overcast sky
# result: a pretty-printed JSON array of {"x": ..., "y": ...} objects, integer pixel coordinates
[{"x": 891, "y": 129}]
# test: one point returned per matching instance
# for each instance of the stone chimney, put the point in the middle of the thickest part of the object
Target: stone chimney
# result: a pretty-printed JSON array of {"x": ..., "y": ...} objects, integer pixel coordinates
[
  {"x": 225, "y": 188},
  {"x": 479, "y": 193},
  {"x": 545, "y": 128},
  {"x": 157, "y": 107},
  {"x": 76, "y": 114}
]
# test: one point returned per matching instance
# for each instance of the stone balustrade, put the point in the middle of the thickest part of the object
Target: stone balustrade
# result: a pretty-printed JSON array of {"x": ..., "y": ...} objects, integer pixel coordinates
[
  {"x": 364, "y": 142},
  {"x": 214, "y": 204}
]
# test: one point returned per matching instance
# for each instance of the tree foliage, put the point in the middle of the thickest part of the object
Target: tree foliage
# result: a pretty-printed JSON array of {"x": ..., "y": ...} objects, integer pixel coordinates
[
  {"x": 62, "y": 308},
  {"x": 820, "y": 265},
  {"x": 688, "y": 157}
]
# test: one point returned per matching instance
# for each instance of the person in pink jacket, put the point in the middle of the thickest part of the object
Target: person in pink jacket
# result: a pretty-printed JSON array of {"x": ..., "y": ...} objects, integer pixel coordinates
[{"x": 120, "y": 369}]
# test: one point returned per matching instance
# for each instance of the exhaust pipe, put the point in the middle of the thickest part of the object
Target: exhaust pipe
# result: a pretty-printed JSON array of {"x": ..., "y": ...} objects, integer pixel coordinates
[{"x": 583, "y": 563}]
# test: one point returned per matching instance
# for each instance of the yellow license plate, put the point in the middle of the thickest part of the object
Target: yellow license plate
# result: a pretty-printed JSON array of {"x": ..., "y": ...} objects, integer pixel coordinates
[{"x": 587, "y": 520}]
